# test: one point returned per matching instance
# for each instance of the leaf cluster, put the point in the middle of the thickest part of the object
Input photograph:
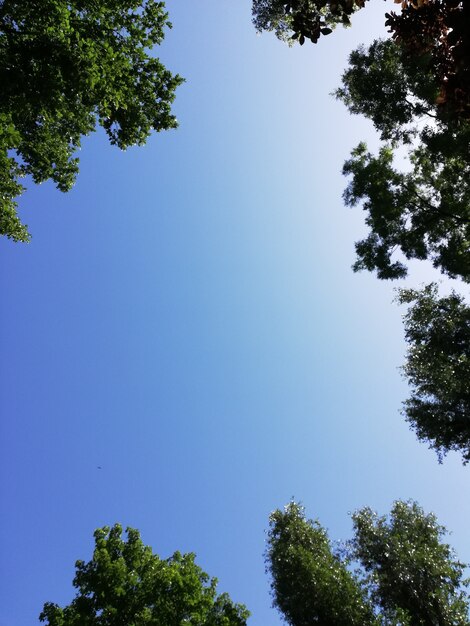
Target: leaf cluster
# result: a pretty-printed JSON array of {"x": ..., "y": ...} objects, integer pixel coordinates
[{"x": 299, "y": 20}]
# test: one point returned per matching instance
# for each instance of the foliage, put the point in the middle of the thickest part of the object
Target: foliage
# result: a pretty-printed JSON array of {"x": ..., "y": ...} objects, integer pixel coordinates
[
  {"x": 438, "y": 369},
  {"x": 439, "y": 30},
  {"x": 395, "y": 92},
  {"x": 435, "y": 30},
  {"x": 407, "y": 575},
  {"x": 415, "y": 88},
  {"x": 309, "y": 583},
  {"x": 126, "y": 585},
  {"x": 412, "y": 575},
  {"x": 66, "y": 65},
  {"x": 424, "y": 212},
  {"x": 298, "y": 20}
]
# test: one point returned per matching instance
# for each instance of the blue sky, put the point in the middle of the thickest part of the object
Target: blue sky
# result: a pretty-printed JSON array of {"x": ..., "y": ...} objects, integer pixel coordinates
[{"x": 187, "y": 319}]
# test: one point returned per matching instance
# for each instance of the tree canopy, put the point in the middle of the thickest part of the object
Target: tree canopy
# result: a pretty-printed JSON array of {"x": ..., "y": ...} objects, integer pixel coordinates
[
  {"x": 423, "y": 211},
  {"x": 438, "y": 30},
  {"x": 438, "y": 369},
  {"x": 309, "y": 583},
  {"x": 407, "y": 574},
  {"x": 66, "y": 66},
  {"x": 125, "y": 584}
]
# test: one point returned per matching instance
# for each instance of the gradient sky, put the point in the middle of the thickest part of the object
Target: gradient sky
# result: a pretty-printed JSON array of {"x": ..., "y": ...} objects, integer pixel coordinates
[{"x": 187, "y": 319}]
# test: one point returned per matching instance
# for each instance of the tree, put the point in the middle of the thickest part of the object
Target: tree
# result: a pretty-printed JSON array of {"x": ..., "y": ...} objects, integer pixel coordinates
[
  {"x": 126, "y": 585},
  {"x": 412, "y": 575},
  {"x": 407, "y": 575},
  {"x": 309, "y": 583},
  {"x": 66, "y": 66},
  {"x": 424, "y": 211},
  {"x": 438, "y": 369}
]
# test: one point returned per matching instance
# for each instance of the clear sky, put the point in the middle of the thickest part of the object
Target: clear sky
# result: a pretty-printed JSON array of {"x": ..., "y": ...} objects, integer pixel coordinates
[{"x": 186, "y": 318}]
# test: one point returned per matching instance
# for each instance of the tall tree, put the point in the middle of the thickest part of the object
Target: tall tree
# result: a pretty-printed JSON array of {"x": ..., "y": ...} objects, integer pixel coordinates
[
  {"x": 413, "y": 576},
  {"x": 438, "y": 369},
  {"x": 407, "y": 574},
  {"x": 309, "y": 583},
  {"x": 66, "y": 66},
  {"x": 125, "y": 584}
]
